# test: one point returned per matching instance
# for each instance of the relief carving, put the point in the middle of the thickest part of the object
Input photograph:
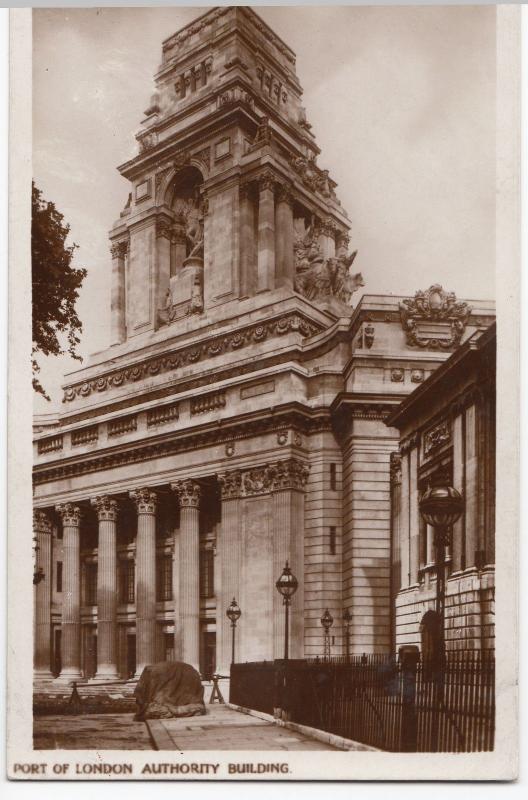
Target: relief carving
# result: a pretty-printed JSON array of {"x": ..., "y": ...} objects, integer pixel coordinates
[
  {"x": 319, "y": 279},
  {"x": 434, "y": 305},
  {"x": 437, "y": 437}
]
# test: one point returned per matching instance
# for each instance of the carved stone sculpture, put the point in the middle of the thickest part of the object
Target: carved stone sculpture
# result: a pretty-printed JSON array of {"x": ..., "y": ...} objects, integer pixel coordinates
[{"x": 437, "y": 306}]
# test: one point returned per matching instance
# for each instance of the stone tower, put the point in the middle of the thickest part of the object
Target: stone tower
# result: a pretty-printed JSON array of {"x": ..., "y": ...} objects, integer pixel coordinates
[{"x": 227, "y": 201}]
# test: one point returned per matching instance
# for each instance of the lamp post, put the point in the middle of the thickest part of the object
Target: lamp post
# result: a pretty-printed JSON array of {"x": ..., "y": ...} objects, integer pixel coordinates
[
  {"x": 233, "y": 613},
  {"x": 286, "y": 585},
  {"x": 441, "y": 506},
  {"x": 327, "y": 621},
  {"x": 347, "y": 619}
]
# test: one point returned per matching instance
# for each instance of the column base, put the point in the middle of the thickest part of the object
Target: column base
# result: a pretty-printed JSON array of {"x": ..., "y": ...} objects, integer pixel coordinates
[
  {"x": 42, "y": 676},
  {"x": 68, "y": 676},
  {"x": 106, "y": 675}
]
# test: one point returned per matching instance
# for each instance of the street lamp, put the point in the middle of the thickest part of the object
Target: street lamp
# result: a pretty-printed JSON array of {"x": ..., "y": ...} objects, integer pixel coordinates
[
  {"x": 286, "y": 585},
  {"x": 347, "y": 619},
  {"x": 441, "y": 506},
  {"x": 233, "y": 613},
  {"x": 327, "y": 621}
]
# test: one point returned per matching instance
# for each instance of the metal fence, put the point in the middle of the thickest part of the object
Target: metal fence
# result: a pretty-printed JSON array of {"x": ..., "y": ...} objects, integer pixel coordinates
[{"x": 396, "y": 705}]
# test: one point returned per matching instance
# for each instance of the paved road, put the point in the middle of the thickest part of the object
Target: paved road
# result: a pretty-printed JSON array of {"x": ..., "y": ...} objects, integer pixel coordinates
[
  {"x": 226, "y": 729},
  {"x": 90, "y": 732}
]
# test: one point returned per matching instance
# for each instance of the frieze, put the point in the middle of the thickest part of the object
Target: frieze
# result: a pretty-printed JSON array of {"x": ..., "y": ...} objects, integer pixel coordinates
[
  {"x": 193, "y": 354},
  {"x": 257, "y": 481},
  {"x": 436, "y": 437},
  {"x": 189, "y": 493},
  {"x": 433, "y": 305},
  {"x": 289, "y": 474},
  {"x": 107, "y": 508}
]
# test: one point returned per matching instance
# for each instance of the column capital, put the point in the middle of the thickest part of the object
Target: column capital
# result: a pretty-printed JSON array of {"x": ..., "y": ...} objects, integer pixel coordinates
[
  {"x": 119, "y": 249},
  {"x": 145, "y": 500},
  {"x": 395, "y": 468},
  {"x": 107, "y": 508},
  {"x": 69, "y": 513},
  {"x": 41, "y": 521},
  {"x": 284, "y": 194},
  {"x": 188, "y": 492},
  {"x": 288, "y": 474},
  {"x": 230, "y": 484},
  {"x": 267, "y": 180}
]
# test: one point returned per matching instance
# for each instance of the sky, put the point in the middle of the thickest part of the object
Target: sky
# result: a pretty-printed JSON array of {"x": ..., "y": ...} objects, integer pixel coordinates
[{"x": 402, "y": 104}]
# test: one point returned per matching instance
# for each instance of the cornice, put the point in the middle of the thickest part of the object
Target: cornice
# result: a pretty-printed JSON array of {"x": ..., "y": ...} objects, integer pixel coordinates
[
  {"x": 192, "y": 354},
  {"x": 246, "y": 426}
]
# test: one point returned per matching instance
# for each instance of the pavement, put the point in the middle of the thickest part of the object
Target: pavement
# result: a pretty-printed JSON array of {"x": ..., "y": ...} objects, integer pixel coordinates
[
  {"x": 90, "y": 732},
  {"x": 223, "y": 728}
]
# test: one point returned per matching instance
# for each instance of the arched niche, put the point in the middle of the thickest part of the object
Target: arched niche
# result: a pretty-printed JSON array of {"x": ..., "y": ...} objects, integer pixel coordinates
[{"x": 184, "y": 197}]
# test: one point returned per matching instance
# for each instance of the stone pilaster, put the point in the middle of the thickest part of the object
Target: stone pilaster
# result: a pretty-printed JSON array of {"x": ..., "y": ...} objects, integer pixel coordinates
[
  {"x": 414, "y": 518},
  {"x": 284, "y": 268},
  {"x": 288, "y": 481},
  {"x": 471, "y": 494},
  {"x": 145, "y": 501},
  {"x": 42, "y": 642},
  {"x": 229, "y": 551},
  {"x": 71, "y": 593},
  {"x": 119, "y": 252},
  {"x": 248, "y": 249},
  {"x": 189, "y": 498},
  {"x": 266, "y": 233},
  {"x": 107, "y": 510}
]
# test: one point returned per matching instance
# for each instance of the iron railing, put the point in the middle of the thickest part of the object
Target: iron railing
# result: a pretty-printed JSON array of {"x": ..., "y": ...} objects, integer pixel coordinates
[{"x": 396, "y": 705}]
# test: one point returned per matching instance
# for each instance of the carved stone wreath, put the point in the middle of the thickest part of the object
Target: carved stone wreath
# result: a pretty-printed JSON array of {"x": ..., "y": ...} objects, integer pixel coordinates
[{"x": 434, "y": 305}]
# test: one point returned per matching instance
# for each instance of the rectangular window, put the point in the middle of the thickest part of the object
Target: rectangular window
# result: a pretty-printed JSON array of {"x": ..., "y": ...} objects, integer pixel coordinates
[
  {"x": 127, "y": 574},
  {"x": 59, "y": 576},
  {"x": 164, "y": 577},
  {"x": 333, "y": 540},
  {"x": 207, "y": 573},
  {"x": 90, "y": 584},
  {"x": 333, "y": 480}
]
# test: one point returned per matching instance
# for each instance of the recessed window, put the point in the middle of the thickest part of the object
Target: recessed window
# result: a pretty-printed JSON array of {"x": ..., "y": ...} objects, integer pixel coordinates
[
  {"x": 333, "y": 478},
  {"x": 333, "y": 540},
  {"x": 58, "y": 583},
  {"x": 164, "y": 577}
]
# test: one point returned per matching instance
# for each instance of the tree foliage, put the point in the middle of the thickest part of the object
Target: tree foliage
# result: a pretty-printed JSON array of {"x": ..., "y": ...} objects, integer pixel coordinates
[{"x": 56, "y": 326}]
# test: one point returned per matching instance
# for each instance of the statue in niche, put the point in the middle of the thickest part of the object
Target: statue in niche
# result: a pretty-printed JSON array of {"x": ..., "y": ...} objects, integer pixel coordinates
[{"x": 319, "y": 279}]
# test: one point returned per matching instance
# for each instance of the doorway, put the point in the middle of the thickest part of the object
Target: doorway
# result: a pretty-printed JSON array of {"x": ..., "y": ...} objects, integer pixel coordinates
[{"x": 131, "y": 654}]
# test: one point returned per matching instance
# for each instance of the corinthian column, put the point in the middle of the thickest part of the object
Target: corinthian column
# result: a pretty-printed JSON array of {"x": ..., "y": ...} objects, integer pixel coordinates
[
  {"x": 189, "y": 554},
  {"x": 42, "y": 640},
  {"x": 118, "y": 300},
  {"x": 228, "y": 548},
  {"x": 266, "y": 233},
  {"x": 106, "y": 588},
  {"x": 284, "y": 237},
  {"x": 145, "y": 501},
  {"x": 288, "y": 481},
  {"x": 71, "y": 593}
]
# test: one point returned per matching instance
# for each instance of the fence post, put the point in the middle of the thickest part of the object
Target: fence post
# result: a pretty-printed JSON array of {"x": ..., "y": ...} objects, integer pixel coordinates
[{"x": 409, "y": 655}]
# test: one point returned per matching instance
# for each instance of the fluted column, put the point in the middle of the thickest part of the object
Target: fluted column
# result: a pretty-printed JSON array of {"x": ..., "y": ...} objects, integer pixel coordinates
[
  {"x": 288, "y": 481},
  {"x": 266, "y": 233},
  {"x": 106, "y": 588},
  {"x": 189, "y": 498},
  {"x": 228, "y": 548},
  {"x": 284, "y": 237},
  {"x": 145, "y": 501},
  {"x": 42, "y": 639},
  {"x": 118, "y": 289},
  {"x": 71, "y": 592}
]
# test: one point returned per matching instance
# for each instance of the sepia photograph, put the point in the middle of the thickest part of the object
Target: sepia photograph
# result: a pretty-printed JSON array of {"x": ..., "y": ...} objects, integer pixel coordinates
[{"x": 269, "y": 266}]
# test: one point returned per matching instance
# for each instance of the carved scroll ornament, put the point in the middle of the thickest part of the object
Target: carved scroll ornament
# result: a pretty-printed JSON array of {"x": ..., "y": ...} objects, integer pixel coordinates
[{"x": 430, "y": 306}]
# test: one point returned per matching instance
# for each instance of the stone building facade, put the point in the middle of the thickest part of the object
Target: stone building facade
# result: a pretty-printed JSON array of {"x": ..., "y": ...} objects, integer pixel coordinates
[
  {"x": 447, "y": 431},
  {"x": 238, "y": 418}
]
